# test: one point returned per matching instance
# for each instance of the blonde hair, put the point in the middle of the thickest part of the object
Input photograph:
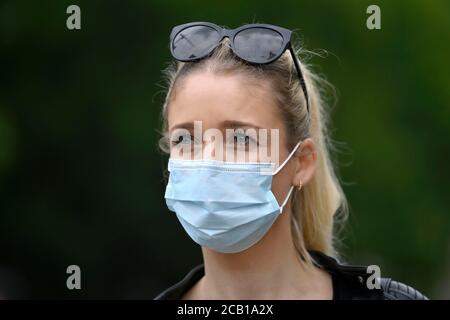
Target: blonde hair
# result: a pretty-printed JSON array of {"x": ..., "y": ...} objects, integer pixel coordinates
[{"x": 316, "y": 206}]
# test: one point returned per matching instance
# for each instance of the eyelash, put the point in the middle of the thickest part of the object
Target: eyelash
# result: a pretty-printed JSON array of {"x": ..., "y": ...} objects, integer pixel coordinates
[
  {"x": 248, "y": 139},
  {"x": 177, "y": 142}
]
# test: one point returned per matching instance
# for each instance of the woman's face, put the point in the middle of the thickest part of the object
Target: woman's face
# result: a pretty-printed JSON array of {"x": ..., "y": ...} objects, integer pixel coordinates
[{"x": 230, "y": 102}]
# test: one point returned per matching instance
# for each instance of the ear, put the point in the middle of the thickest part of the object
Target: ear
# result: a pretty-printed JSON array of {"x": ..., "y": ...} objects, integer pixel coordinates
[{"x": 305, "y": 159}]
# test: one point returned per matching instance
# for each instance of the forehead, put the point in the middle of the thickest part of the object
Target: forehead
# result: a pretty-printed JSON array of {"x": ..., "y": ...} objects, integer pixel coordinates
[{"x": 214, "y": 98}]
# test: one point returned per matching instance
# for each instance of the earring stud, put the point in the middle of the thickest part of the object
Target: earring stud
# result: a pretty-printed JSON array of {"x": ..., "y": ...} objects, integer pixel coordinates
[{"x": 300, "y": 186}]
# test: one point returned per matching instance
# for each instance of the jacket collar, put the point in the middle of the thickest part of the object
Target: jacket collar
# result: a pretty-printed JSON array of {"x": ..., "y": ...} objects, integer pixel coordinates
[{"x": 350, "y": 280}]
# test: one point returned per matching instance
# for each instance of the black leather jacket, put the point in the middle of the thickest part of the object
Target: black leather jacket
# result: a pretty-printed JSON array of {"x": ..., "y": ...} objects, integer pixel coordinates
[{"x": 349, "y": 283}]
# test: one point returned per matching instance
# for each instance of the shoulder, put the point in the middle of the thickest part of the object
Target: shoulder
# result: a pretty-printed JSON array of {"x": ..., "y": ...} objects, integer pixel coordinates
[
  {"x": 351, "y": 282},
  {"x": 396, "y": 290}
]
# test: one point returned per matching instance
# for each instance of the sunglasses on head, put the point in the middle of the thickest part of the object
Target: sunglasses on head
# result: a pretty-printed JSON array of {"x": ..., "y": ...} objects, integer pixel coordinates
[{"x": 254, "y": 43}]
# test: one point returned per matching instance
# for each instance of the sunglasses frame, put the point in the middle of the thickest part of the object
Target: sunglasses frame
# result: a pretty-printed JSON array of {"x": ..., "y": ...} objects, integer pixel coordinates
[{"x": 286, "y": 34}]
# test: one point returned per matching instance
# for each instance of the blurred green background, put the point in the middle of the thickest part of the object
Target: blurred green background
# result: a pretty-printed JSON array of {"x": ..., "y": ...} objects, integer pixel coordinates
[{"x": 81, "y": 176}]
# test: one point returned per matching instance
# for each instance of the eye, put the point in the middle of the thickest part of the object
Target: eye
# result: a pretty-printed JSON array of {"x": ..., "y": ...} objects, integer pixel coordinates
[
  {"x": 184, "y": 139},
  {"x": 240, "y": 138}
]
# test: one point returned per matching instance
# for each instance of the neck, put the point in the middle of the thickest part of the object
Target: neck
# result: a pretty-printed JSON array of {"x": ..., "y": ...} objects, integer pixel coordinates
[{"x": 271, "y": 269}]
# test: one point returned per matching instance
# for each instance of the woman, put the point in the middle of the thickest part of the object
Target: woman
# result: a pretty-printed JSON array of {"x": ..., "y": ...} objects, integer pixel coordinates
[{"x": 265, "y": 229}]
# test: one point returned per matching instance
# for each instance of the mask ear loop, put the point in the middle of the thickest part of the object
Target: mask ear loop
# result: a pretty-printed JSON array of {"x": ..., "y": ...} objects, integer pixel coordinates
[
  {"x": 288, "y": 158},
  {"x": 281, "y": 167},
  {"x": 286, "y": 200}
]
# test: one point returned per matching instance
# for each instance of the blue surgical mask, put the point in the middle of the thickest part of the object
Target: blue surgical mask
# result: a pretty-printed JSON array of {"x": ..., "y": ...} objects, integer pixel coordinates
[{"x": 225, "y": 206}]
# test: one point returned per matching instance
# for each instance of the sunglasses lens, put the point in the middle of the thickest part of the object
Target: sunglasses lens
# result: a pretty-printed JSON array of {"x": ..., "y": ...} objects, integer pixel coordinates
[
  {"x": 194, "y": 42},
  {"x": 258, "y": 45}
]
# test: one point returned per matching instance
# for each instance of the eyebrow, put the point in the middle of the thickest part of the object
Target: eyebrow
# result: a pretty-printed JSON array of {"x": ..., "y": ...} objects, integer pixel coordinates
[
  {"x": 225, "y": 124},
  {"x": 238, "y": 124},
  {"x": 184, "y": 125}
]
